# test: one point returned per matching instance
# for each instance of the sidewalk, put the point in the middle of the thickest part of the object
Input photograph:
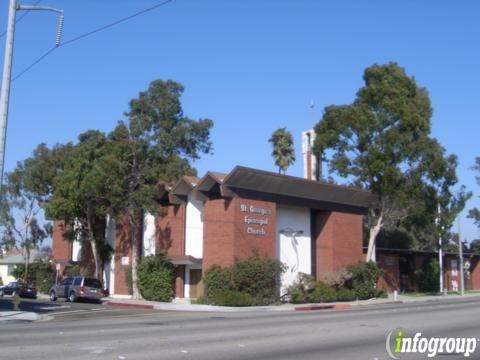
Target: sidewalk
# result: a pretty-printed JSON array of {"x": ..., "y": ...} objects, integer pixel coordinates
[
  {"x": 6, "y": 316},
  {"x": 185, "y": 305}
]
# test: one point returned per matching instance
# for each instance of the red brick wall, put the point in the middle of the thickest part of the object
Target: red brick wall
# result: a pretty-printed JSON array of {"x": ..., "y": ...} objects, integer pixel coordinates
[
  {"x": 170, "y": 230},
  {"x": 122, "y": 249},
  {"x": 339, "y": 241},
  {"x": 225, "y": 231},
  {"x": 246, "y": 243},
  {"x": 61, "y": 247},
  {"x": 475, "y": 272},
  {"x": 218, "y": 233}
]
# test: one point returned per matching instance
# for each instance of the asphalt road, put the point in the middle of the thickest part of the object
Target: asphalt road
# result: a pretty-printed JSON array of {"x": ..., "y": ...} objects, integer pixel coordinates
[{"x": 110, "y": 333}]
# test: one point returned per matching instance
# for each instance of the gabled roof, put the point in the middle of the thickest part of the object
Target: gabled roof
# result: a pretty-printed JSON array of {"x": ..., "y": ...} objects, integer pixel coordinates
[
  {"x": 181, "y": 189},
  {"x": 210, "y": 183},
  {"x": 278, "y": 186},
  {"x": 264, "y": 185}
]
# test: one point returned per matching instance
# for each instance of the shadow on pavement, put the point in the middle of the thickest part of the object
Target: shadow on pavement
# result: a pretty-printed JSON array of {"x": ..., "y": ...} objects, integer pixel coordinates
[{"x": 37, "y": 306}]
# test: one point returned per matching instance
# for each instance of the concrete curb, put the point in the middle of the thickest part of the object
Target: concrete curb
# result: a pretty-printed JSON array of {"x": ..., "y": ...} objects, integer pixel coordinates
[
  {"x": 128, "y": 304},
  {"x": 314, "y": 307},
  {"x": 184, "y": 307}
]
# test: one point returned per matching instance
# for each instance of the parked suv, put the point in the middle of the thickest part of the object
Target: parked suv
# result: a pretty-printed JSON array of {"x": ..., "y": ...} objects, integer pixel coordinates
[{"x": 73, "y": 288}]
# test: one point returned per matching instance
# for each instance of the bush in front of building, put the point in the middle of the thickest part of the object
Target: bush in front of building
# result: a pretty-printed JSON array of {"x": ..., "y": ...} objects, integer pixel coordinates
[
  {"x": 215, "y": 280},
  {"x": 259, "y": 277},
  {"x": 364, "y": 279},
  {"x": 155, "y": 278},
  {"x": 233, "y": 298},
  {"x": 297, "y": 293},
  {"x": 345, "y": 294},
  {"x": 45, "y": 275},
  {"x": 41, "y": 274},
  {"x": 427, "y": 277},
  {"x": 338, "y": 279},
  {"x": 72, "y": 270},
  {"x": 322, "y": 293}
]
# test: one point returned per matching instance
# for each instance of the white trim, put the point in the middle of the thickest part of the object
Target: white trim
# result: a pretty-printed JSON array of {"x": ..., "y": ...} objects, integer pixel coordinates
[
  {"x": 186, "y": 286},
  {"x": 194, "y": 227},
  {"x": 110, "y": 238}
]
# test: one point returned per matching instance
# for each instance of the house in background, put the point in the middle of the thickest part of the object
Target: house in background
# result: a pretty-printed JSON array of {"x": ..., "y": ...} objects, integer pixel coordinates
[{"x": 10, "y": 261}]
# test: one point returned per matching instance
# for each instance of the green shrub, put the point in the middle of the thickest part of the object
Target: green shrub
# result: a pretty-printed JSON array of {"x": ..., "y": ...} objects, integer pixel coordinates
[
  {"x": 201, "y": 300},
  {"x": 45, "y": 275},
  {"x": 338, "y": 279},
  {"x": 427, "y": 277},
  {"x": 18, "y": 272},
  {"x": 155, "y": 279},
  {"x": 1, "y": 281},
  {"x": 322, "y": 293},
  {"x": 344, "y": 294},
  {"x": 40, "y": 274},
  {"x": 259, "y": 277},
  {"x": 216, "y": 279},
  {"x": 72, "y": 270},
  {"x": 128, "y": 278},
  {"x": 233, "y": 298},
  {"x": 297, "y": 293},
  {"x": 382, "y": 294},
  {"x": 364, "y": 279}
]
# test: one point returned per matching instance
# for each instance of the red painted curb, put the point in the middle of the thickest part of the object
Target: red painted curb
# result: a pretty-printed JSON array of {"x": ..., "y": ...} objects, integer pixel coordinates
[
  {"x": 342, "y": 306},
  {"x": 323, "y": 307},
  {"x": 142, "y": 306},
  {"x": 314, "y": 307}
]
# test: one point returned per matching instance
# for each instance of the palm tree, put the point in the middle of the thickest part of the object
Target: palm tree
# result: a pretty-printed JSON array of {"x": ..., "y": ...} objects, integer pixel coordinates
[{"x": 283, "y": 151}]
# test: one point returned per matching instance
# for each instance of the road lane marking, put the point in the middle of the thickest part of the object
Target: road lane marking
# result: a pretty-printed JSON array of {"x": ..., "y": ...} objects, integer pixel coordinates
[
  {"x": 68, "y": 312},
  {"x": 53, "y": 307}
]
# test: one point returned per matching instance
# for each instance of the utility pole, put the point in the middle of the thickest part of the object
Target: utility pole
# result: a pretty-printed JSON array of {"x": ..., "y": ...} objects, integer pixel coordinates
[
  {"x": 460, "y": 255},
  {"x": 7, "y": 68},
  {"x": 6, "y": 80}
]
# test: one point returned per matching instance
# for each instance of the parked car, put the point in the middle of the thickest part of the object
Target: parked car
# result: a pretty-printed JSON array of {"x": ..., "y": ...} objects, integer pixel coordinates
[
  {"x": 78, "y": 287},
  {"x": 20, "y": 288}
]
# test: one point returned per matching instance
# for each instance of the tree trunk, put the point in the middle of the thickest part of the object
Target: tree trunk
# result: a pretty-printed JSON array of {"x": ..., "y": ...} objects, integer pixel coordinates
[
  {"x": 374, "y": 230},
  {"x": 96, "y": 259},
  {"x": 96, "y": 256},
  {"x": 27, "y": 261},
  {"x": 133, "y": 233}
]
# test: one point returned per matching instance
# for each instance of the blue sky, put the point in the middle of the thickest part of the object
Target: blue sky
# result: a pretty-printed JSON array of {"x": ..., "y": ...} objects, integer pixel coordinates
[{"x": 251, "y": 66}]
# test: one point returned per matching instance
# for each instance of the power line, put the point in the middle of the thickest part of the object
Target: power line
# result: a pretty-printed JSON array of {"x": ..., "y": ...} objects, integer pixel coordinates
[
  {"x": 115, "y": 23},
  {"x": 20, "y": 18},
  {"x": 34, "y": 63},
  {"x": 89, "y": 33}
]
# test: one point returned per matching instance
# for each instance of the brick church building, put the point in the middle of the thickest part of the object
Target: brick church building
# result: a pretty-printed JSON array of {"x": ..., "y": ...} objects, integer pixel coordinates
[{"x": 312, "y": 226}]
